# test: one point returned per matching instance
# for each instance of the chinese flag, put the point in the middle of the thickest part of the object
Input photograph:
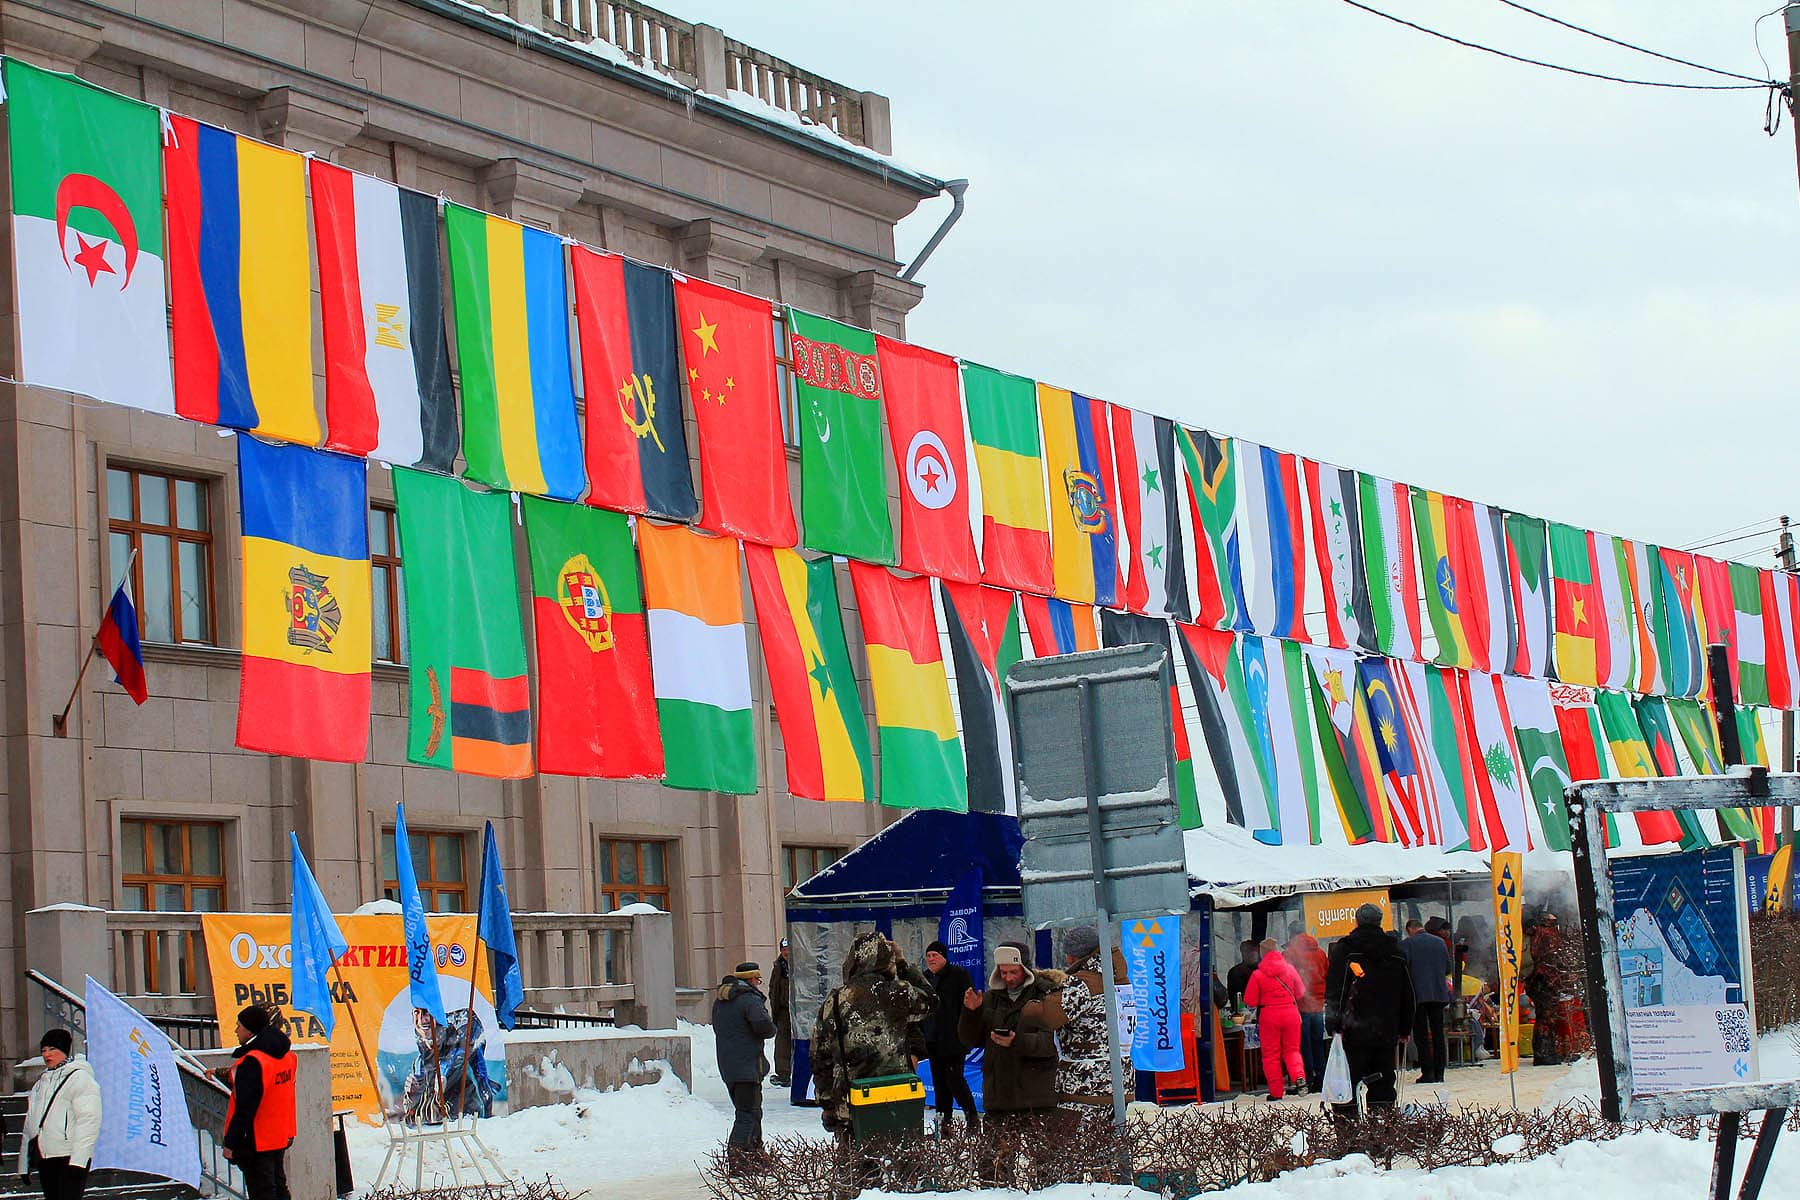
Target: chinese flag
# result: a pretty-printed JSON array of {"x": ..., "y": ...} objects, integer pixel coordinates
[{"x": 728, "y": 358}]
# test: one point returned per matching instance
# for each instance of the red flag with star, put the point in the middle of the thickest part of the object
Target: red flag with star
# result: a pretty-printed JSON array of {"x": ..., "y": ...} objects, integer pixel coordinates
[
  {"x": 1582, "y": 649},
  {"x": 925, "y": 429},
  {"x": 728, "y": 358}
]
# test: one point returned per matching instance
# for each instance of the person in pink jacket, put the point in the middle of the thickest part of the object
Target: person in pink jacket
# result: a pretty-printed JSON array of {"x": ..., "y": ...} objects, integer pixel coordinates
[{"x": 1274, "y": 992}]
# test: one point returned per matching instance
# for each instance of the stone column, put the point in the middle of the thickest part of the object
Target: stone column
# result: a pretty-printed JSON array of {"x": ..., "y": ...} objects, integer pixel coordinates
[
  {"x": 68, "y": 943},
  {"x": 652, "y": 971},
  {"x": 710, "y": 64},
  {"x": 877, "y": 123},
  {"x": 881, "y": 302},
  {"x": 530, "y": 193},
  {"x": 713, "y": 250}
]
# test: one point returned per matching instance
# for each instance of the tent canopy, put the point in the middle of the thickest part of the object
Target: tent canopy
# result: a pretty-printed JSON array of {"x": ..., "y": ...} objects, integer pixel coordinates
[{"x": 925, "y": 851}]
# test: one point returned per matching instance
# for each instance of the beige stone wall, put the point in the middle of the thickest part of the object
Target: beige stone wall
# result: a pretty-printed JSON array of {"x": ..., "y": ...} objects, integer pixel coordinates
[{"x": 437, "y": 104}]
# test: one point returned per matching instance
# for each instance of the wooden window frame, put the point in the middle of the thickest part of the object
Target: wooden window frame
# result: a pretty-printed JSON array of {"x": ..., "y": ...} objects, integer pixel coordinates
[
  {"x": 430, "y": 886},
  {"x": 605, "y": 865},
  {"x": 391, "y": 597},
  {"x": 149, "y": 880},
  {"x": 790, "y": 861},
  {"x": 134, "y": 528}
]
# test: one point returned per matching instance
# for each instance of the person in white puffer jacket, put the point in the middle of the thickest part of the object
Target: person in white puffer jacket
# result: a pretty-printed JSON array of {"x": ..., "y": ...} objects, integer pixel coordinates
[{"x": 62, "y": 1120}]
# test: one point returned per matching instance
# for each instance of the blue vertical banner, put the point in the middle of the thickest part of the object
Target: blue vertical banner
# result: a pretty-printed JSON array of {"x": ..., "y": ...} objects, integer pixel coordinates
[
  {"x": 1153, "y": 963},
  {"x": 960, "y": 927},
  {"x": 421, "y": 968}
]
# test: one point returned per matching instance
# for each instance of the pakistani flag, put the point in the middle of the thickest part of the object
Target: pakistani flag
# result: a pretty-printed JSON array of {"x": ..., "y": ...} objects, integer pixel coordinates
[
  {"x": 88, "y": 239},
  {"x": 1541, "y": 756}
]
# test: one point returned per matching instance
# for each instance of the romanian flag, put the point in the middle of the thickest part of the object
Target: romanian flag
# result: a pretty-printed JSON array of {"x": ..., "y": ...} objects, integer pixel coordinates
[
  {"x": 511, "y": 296},
  {"x": 921, "y": 755},
  {"x": 307, "y": 633},
  {"x": 1058, "y": 627},
  {"x": 469, "y": 701},
  {"x": 823, "y": 732},
  {"x": 1084, "y": 515},
  {"x": 1015, "y": 524},
  {"x": 240, "y": 287}
]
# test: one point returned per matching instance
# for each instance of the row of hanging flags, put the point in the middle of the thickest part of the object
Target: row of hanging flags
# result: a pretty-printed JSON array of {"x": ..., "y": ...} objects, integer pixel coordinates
[{"x": 1098, "y": 524}]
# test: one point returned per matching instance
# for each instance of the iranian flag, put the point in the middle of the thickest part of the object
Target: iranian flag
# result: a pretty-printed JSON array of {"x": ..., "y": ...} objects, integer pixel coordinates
[{"x": 88, "y": 240}]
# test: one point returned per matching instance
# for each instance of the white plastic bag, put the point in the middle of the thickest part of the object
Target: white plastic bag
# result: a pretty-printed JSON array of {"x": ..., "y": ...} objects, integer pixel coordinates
[{"x": 1337, "y": 1088}]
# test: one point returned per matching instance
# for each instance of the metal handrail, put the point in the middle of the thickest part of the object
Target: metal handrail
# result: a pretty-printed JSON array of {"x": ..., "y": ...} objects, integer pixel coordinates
[{"x": 184, "y": 1058}]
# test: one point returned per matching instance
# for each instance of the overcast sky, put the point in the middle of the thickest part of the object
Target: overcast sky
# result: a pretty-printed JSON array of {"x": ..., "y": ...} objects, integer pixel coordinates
[{"x": 1294, "y": 222}]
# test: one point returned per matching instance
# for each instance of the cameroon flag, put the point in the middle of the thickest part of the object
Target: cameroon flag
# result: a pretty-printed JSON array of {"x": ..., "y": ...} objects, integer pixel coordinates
[
  {"x": 593, "y": 650},
  {"x": 469, "y": 703},
  {"x": 823, "y": 731},
  {"x": 921, "y": 755},
  {"x": 1581, "y": 643}
]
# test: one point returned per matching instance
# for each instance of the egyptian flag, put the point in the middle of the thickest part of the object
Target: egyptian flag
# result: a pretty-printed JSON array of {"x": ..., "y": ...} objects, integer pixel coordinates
[
  {"x": 381, "y": 297},
  {"x": 983, "y": 623},
  {"x": 637, "y": 459}
]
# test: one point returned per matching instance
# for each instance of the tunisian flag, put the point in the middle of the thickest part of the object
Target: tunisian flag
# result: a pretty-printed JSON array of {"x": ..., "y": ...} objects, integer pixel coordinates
[
  {"x": 925, "y": 428},
  {"x": 728, "y": 358}
]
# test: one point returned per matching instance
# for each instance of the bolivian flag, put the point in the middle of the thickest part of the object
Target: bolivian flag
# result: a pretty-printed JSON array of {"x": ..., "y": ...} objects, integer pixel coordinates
[
  {"x": 822, "y": 728},
  {"x": 1009, "y": 458},
  {"x": 921, "y": 755}
]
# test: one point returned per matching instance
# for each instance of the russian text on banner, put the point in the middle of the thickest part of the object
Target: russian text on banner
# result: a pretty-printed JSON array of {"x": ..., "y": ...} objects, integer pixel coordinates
[
  {"x": 1083, "y": 512},
  {"x": 983, "y": 625},
  {"x": 823, "y": 732},
  {"x": 931, "y": 453},
  {"x": 1152, "y": 541},
  {"x": 469, "y": 707},
  {"x": 921, "y": 755},
  {"x": 88, "y": 250},
  {"x": 728, "y": 350},
  {"x": 240, "y": 287},
  {"x": 1015, "y": 524},
  {"x": 304, "y": 686},
  {"x": 699, "y": 658},
  {"x": 637, "y": 457},
  {"x": 596, "y": 704},
  {"x": 510, "y": 292},
  {"x": 144, "y": 1120},
  {"x": 838, "y": 398}
]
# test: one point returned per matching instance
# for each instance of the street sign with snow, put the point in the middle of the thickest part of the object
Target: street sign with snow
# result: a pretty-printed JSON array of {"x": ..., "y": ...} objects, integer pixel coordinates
[{"x": 1095, "y": 753}]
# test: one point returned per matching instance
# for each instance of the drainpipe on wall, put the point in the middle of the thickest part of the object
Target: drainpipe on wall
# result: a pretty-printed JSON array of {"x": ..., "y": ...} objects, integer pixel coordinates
[{"x": 956, "y": 188}]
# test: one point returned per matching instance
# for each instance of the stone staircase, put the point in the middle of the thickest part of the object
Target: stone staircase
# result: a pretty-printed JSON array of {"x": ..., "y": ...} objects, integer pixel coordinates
[{"x": 102, "y": 1185}]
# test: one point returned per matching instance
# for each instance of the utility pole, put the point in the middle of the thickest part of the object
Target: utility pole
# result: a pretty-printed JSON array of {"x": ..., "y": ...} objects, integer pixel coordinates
[
  {"x": 1791, "y": 18},
  {"x": 1784, "y": 551}
]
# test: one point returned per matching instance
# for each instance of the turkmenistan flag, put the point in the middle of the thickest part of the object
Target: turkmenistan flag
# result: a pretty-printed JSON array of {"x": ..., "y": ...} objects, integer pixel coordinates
[
  {"x": 470, "y": 707},
  {"x": 88, "y": 251},
  {"x": 843, "y": 481},
  {"x": 921, "y": 755}
]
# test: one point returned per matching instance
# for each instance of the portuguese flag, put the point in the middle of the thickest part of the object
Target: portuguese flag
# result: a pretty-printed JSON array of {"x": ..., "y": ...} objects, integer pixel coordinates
[
  {"x": 823, "y": 731},
  {"x": 599, "y": 716},
  {"x": 838, "y": 394},
  {"x": 921, "y": 755},
  {"x": 469, "y": 705}
]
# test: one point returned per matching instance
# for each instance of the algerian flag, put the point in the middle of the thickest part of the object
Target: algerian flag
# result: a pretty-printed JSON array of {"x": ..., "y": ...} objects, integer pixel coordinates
[{"x": 88, "y": 239}]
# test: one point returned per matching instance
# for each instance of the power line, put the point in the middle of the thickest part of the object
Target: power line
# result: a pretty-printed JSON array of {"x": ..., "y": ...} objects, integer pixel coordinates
[
  {"x": 1544, "y": 16},
  {"x": 1747, "y": 525},
  {"x": 1538, "y": 62},
  {"x": 1744, "y": 537}
]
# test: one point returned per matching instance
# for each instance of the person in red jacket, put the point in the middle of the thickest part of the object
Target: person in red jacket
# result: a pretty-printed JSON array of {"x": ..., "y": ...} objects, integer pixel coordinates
[
  {"x": 259, "y": 1119},
  {"x": 1274, "y": 992},
  {"x": 1311, "y": 963}
]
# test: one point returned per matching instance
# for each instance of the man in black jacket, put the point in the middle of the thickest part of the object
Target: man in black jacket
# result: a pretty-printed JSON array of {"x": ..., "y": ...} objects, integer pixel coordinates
[
  {"x": 1369, "y": 999},
  {"x": 948, "y": 1082},
  {"x": 781, "y": 980},
  {"x": 741, "y": 1025}
]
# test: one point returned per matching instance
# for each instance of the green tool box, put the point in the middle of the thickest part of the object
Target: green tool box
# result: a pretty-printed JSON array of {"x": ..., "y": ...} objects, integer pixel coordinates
[{"x": 887, "y": 1104}]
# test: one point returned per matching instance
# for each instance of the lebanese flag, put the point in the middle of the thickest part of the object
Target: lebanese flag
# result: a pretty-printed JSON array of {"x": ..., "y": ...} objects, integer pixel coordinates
[
  {"x": 923, "y": 394},
  {"x": 381, "y": 299},
  {"x": 117, "y": 639}
]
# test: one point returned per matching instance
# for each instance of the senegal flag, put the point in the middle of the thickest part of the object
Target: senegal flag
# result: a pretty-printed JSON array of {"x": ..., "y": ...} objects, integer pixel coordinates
[
  {"x": 88, "y": 253},
  {"x": 823, "y": 732},
  {"x": 921, "y": 755},
  {"x": 469, "y": 703},
  {"x": 838, "y": 394}
]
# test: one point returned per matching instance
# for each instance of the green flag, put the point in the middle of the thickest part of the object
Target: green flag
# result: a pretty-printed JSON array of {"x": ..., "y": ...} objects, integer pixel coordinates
[
  {"x": 843, "y": 485},
  {"x": 1547, "y": 774}
]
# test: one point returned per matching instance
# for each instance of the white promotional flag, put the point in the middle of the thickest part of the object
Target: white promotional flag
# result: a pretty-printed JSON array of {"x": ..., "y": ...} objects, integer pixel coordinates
[{"x": 144, "y": 1124}]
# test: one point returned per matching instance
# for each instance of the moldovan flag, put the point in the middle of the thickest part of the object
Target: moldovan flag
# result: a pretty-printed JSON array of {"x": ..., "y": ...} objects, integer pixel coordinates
[
  {"x": 1780, "y": 601},
  {"x": 837, "y": 396},
  {"x": 1387, "y": 535},
  {"x": 88, "y": 254},
  {"x": 1149, "y": 511},
  {"x": 983, "y": 624},
  {"x": 728, "y": 346},
  {"x": 240, "y": 285},
  {"x": 307, "y": 634},
  {"x": 469, "y": 705},
  {"x": 700, "y": 658},
  {"x": 1338, "y": 553},
  {"x": 824, "y": 736},
  {"x": 637, "y": 458},
  {"x": 1058, "y": 627},
  {"x": 596, "y": 710},
  {"x": 510, "y": 290},
  {"x": 1084, "y": 523},
  {"x": 921, "y": 755},
  {"x": 381, "y": 295},
  {"x": 931, "y": 452},
  {"x": 1015, "y": 524}
]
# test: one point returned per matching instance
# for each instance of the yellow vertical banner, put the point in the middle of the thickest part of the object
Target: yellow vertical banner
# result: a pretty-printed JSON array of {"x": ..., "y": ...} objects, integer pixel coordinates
[
  {"x": 1781, "y": 868},
  {"x": 1509, "y": 934}
]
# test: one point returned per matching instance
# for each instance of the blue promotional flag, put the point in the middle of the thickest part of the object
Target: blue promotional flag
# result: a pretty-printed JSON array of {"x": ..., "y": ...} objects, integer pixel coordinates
[
  {"x": 960, "y": 929},
  {"x": 421, "y": 968},
  {"x": 1153, "y": 963},
  {"x": 144, "y": 1121},
  {"x": 496, "y": 932},
  {"x": 317, "y": 943}
]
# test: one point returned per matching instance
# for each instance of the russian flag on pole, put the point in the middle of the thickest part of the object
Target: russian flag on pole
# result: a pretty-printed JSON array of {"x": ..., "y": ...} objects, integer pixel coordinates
[{"x": 118, "y": 642}]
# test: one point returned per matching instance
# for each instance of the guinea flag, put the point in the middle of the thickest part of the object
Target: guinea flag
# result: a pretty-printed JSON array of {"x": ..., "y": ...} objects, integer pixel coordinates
[
  {"x": 824, "y": 737},
  {"x": 88, "y": 255},
  {"x": 921, "y": 755},
  {"x": 838, "y": 396},
  {"x": 596, "y": 710}
]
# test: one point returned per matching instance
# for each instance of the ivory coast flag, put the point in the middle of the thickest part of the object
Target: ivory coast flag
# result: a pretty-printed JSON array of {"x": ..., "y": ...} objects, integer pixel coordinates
[
  {"x": 823, "y": 734},
  {"x": 699, "y": 660},
  {"x": 921, "y": 755},
  {"x": 88, "y": 239}
]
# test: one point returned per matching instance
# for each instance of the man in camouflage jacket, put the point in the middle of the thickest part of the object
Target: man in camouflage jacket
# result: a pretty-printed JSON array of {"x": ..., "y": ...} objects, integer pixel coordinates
[
  {"x": 1083, "y": 1073},
  {"x": 870, "y": 1026}
]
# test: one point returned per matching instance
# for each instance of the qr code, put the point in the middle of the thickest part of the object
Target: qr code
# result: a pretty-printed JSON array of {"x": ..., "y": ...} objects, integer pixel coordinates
[{"x": 1734, "y": 1027}]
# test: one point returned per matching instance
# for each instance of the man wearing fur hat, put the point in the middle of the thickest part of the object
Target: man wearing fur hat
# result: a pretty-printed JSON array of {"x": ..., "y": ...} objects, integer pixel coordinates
[
  {"x": 1083, "y": 1072},
  {"x": 1015, "y": 1023},
  {"x": 870, "y": 1026},
  {"x": 741, "y": 1025}
]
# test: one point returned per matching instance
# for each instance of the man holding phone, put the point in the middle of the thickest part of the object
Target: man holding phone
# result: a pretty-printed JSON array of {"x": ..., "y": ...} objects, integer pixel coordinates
[{"x": 1015, "y": 1023}]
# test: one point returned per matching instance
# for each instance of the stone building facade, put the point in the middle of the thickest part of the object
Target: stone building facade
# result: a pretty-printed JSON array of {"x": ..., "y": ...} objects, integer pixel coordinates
[{"x": 664, "y": 141}]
